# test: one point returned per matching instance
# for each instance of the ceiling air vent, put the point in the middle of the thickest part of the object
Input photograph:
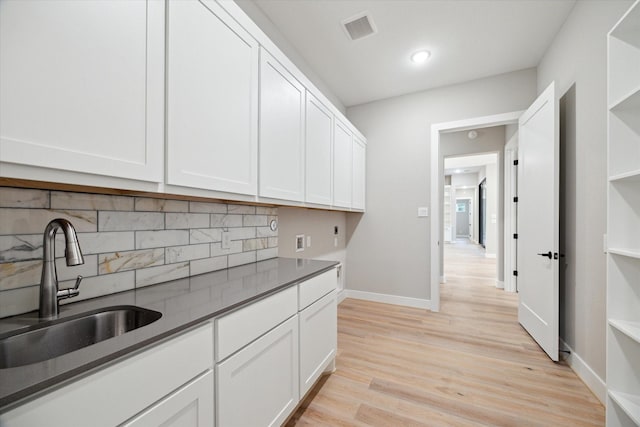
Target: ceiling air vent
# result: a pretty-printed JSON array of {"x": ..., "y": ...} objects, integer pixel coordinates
[{"x": 359, "y": 26}]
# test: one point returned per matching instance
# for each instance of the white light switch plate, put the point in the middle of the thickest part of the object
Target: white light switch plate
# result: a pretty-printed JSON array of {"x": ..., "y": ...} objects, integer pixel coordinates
[{"x": 423, "y": 212}]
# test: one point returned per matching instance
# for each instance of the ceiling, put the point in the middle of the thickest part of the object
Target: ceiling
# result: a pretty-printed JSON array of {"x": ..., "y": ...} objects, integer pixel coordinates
[{"x": 468, "y": 39}]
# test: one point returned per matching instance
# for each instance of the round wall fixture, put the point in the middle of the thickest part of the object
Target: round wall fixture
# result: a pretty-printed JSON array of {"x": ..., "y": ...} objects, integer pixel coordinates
[
  {"x": 472, "y": 134},
  {"x": 273, "y": 225}
]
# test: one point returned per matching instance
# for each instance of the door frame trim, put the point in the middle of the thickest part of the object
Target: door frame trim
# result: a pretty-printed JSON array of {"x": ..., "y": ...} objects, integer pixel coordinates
[{"x": 437, "y": 180}]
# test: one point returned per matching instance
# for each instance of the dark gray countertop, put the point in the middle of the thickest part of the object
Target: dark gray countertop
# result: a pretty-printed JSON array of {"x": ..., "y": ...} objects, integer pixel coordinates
[{"x": 183, "y": 303}]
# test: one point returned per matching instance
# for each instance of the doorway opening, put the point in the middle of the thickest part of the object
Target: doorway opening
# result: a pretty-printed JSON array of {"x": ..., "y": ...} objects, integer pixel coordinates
[
  {"x": 472, "y": 189},
  {"x": 439, "y": 131}
]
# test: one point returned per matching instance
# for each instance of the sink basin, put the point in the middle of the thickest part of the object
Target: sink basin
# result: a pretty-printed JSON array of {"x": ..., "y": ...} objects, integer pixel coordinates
[{"x": 54, "y": 338}]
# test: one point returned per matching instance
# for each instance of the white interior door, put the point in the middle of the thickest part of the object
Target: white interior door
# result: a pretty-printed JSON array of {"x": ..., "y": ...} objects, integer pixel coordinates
[{"x": 538, "y": 221}]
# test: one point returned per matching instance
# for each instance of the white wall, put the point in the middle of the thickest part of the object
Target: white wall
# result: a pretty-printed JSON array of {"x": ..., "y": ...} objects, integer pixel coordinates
[
  {"x": 320, "y": 226},
  {"x": 388, "y": 251},
  {"x": 464, "y": 180},
  {"x": 578, "y": 56},
  {"x": 269, "y": 28}
]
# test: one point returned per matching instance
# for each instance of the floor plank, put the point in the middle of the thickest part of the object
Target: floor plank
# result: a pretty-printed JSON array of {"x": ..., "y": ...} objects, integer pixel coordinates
[{"x": 472, "y": 364}]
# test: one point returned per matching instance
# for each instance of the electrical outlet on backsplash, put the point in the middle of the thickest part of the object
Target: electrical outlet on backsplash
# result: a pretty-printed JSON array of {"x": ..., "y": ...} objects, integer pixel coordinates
[{"x": 127, "y": 241}]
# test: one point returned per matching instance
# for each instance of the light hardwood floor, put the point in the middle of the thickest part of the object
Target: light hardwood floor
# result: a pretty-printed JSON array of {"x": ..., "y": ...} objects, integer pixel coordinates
[{"x": 469, "y": 365}]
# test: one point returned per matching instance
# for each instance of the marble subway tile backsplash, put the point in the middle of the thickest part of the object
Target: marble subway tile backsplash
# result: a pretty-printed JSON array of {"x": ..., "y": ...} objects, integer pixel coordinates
[{"x": 127, "y": 241}]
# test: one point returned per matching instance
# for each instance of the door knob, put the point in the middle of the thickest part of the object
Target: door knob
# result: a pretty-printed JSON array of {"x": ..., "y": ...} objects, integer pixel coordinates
[{"x": 548, "y": 254}]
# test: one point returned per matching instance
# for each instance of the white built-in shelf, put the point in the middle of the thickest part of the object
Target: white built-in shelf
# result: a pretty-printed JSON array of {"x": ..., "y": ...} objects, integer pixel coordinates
[
  {"x": 628, "y": 28},
  {"x": 631, "y": 253},
  {"x": 629, "y": 403},
  {"x": 631, "y": 176},
  {"x": 623, "y": 222},
  {"x": 630, "y": 329},
  {"x": 628, "y": 101}
]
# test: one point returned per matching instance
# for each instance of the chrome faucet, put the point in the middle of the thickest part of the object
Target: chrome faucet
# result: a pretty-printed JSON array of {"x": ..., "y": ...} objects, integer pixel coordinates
[{"x": 50, "y": 296}]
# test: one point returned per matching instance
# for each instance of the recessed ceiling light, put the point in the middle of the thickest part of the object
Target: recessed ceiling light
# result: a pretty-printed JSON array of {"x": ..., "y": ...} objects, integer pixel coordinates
[
  {"x": 420, "y": 56},
  {"x": 458, "y": 171}
]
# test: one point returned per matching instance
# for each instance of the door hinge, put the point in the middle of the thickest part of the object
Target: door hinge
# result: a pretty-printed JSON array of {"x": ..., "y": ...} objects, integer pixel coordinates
[
  {"x": 515, "y": 272},
  {"x": 515, "y": 199},
  {"x": 515, "y": 163},
  {"x": 515, "y": 235}
]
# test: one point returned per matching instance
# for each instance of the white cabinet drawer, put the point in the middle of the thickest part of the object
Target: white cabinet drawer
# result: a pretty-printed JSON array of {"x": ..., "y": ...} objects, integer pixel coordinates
[
  {"x": 258, "y": 386},
  {"x": 191, "y": 405},
  {"x": 315, "y": 288},
  {"x": 98, "y": 399},
  {"x": 237, "y": 329}
]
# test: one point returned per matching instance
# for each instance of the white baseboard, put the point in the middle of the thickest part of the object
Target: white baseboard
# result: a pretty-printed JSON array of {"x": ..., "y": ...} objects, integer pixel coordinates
[
  {"x": 443, "y": 279},
  {"x": 499, "y": 284},
  {"x": 585, "y": 373},
  {"x": 489, "y": 255},
  {"x": 389, "y": 299},
  {"x": 342, "y": 294}
]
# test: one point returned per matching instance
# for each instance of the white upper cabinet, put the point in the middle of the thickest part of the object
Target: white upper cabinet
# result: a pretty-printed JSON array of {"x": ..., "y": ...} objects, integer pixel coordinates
[
  {"x": 82, "y": 87},
  {"x": 282, "y": 100},
  {"x": 318, "y": 152},
  {"x": 212, "y": 99},
  {"x": 342, "y": 165},
  {"x": 359, "y": 174}
]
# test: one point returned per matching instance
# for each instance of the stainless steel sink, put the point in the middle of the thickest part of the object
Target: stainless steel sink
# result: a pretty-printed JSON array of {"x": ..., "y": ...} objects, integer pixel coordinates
[{"x": 54, "y": 338}]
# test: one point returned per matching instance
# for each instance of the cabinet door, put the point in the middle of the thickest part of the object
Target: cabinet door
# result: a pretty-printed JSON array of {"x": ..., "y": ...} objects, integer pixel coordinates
[
  {"x": 342, "y": 165},
  {"x": 318, "y": 152},
  {"x": 359, "y": 174},
  {"x": 82, "y": 86},
  {"x": 112, "y": 395},
  {"x": 258, "y": 386},
  {"x": 281, "y": 132},
  {"x": 318, "y": 339},
  {"x": 190, "y": 406},
  {"x": 212, "y": 99}
]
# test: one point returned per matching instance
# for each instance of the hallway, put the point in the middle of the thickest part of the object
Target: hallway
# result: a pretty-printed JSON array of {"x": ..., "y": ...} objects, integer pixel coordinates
[{"x": 469, "y": 365}]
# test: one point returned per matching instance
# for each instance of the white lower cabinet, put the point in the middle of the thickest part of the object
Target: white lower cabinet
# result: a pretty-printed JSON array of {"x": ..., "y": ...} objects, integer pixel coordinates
[
  {"x": 191, "y": 406},
  {"x": 318, "y": 339},
  {"x": 153, "y": 379},
  {"x": 271, "y": 353},
  {"x": 258, "y": 386}
]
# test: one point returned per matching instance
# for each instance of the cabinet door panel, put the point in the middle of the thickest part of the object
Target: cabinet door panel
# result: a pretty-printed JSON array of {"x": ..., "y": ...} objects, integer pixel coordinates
[
  {"x": 318, "y": 152},
  {"x": 82, "y": 86},
  {"x": 258, "y": 386},
  {"x": 146, "y": 378},
  {"x": 212, "y": 83},
  {"x": 342, "y": 166},
  {"x": 318, "y": 339},
  {"x": 237, "y": 329},
  {"x": 359, "y": 174},
  {"x": 190, "y": 406},
  {"x": 316, "y": 287},
  {"x": 281, "y": 132}
]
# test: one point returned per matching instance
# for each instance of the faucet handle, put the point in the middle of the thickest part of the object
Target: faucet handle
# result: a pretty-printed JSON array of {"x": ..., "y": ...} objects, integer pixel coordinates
[
  {"x": 70, "y": 292},
  {"x": 78, "y": 280}
]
